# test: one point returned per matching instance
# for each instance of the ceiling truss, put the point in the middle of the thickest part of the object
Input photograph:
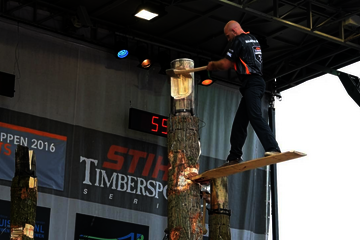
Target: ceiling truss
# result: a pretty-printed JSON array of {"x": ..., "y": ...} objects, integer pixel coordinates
[{"x": 321, "y": 25}]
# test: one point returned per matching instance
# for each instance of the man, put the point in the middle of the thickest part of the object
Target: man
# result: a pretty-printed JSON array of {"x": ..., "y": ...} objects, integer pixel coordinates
[{"x": 244, "y": 55}]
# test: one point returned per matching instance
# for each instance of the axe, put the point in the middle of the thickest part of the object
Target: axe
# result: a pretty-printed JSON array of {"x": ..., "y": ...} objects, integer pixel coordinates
[{"x": 185, "y": 72}]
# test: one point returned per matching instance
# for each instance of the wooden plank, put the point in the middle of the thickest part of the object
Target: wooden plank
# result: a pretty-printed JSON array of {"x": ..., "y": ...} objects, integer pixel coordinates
[{"x": 245, "y": 166}]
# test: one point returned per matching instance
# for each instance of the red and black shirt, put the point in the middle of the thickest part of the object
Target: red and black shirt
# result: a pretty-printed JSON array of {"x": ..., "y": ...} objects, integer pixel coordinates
[{"x": 245, "y": 52}]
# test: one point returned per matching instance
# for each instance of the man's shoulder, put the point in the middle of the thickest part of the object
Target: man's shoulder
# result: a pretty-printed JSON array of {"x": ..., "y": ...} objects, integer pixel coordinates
[{"x": 247, "y": 38}]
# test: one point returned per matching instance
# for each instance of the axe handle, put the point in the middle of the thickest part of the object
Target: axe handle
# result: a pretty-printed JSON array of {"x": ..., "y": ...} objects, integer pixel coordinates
[{"x": 181, "y": 71}]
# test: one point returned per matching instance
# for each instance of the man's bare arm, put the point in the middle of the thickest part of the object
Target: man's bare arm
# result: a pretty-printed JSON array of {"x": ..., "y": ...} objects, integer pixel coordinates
[{"x": 222, "y": 65}]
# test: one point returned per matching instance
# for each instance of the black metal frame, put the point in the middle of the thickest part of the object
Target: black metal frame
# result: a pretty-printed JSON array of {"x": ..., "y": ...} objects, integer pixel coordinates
[{"x": 303, "y": 16}]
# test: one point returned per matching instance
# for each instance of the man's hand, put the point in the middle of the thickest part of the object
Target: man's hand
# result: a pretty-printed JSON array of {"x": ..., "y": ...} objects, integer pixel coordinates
[{"x": 211, "y": 66}]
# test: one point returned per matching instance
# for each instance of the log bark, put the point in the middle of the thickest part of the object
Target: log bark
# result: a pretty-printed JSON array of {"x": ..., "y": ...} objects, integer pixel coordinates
[
  {"x": 23, "y": 195},
  {"x": 184, "y": 211},
  {"x": 219, "y": 215}
]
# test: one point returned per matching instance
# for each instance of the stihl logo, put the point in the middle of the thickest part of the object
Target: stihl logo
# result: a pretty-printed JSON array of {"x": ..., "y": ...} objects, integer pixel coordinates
[{"x": 116, "y": 158}]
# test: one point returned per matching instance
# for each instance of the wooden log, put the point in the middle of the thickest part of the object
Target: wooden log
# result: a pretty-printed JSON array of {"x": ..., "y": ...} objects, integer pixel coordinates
[
  {"x": 219, "y": 215},
  {"x": 23, "y": 195},
  {"x": 184, "y": 209}
]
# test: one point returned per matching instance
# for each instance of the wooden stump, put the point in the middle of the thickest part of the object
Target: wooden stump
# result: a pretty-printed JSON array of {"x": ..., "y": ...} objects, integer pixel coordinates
[
  {"x": 219, "y": 216},
  {"x": 184, "y": 211},
  {"x": 23, "y": 195}
]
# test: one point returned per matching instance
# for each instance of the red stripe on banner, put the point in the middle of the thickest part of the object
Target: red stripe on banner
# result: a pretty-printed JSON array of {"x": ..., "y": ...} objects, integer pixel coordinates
[{"x": 36, "y": 132}]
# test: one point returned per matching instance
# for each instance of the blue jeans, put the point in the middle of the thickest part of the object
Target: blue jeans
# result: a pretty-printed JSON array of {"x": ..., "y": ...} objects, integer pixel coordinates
[{"x": 250, "y": 111}]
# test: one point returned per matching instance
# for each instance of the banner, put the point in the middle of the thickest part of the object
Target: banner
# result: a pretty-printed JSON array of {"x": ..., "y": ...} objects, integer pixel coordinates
[
  {"x": 93, "y": 166},
  {"x": 119, "y": 171},
  {"x": 49, "y": 149}
]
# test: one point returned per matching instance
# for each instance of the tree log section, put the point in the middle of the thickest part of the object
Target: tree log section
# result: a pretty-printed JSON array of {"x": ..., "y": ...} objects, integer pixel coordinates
[
  {"x": 219, "y": 221},
  {"x": 184, "y": 208},
  {"x": 23, "y": 195}
]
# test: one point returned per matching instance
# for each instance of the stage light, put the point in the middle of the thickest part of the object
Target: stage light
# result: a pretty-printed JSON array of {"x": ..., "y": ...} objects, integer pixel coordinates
[
  {"x": 205, "y": 78},
  {"x": 206, "y": 82},
  {"x": 145, "y": 14},
  {"x": 121, "y": 47},
  {"x": 146, "y": 63},
  {"x": 143, "y": 56},
  {"x": 122, "y": 53},
  {"x": 149, "y": 11}
]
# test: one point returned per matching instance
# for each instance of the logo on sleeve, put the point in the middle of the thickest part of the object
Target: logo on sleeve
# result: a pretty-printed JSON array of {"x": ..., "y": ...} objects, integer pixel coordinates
[
  {"x": 257, "y": 53},
  {"x": 230, "y": 52}
]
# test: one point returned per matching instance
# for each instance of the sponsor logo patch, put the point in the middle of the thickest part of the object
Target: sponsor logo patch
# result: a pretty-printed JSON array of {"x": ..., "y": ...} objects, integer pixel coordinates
[{"x": 257, "y": 53}]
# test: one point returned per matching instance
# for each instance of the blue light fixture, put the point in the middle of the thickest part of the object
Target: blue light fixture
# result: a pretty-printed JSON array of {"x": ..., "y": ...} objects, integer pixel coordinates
[
  {"x": 122, "y": 53},
  {"x": 121, "y": 47}
]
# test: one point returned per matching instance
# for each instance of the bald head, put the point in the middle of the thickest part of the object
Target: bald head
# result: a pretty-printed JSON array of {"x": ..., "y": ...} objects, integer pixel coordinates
[{"x": 232, "y": 29}]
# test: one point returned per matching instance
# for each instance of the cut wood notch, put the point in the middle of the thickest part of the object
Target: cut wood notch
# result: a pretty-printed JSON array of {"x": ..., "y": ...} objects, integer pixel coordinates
[{"x": 244, "y": 166}]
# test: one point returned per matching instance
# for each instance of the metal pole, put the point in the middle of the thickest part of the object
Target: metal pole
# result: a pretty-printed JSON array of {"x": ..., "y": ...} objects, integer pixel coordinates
[
  {"x": 267, "y": 200},
  {"x": 273, "y": 178}
]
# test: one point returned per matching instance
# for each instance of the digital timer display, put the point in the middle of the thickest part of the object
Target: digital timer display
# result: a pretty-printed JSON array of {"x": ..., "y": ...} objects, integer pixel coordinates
[{"x": 148, "y": 122}]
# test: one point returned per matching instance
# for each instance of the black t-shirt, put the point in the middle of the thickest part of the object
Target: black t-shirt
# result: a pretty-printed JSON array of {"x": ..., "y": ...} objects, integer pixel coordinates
[{"x": 245, "y": 52}]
